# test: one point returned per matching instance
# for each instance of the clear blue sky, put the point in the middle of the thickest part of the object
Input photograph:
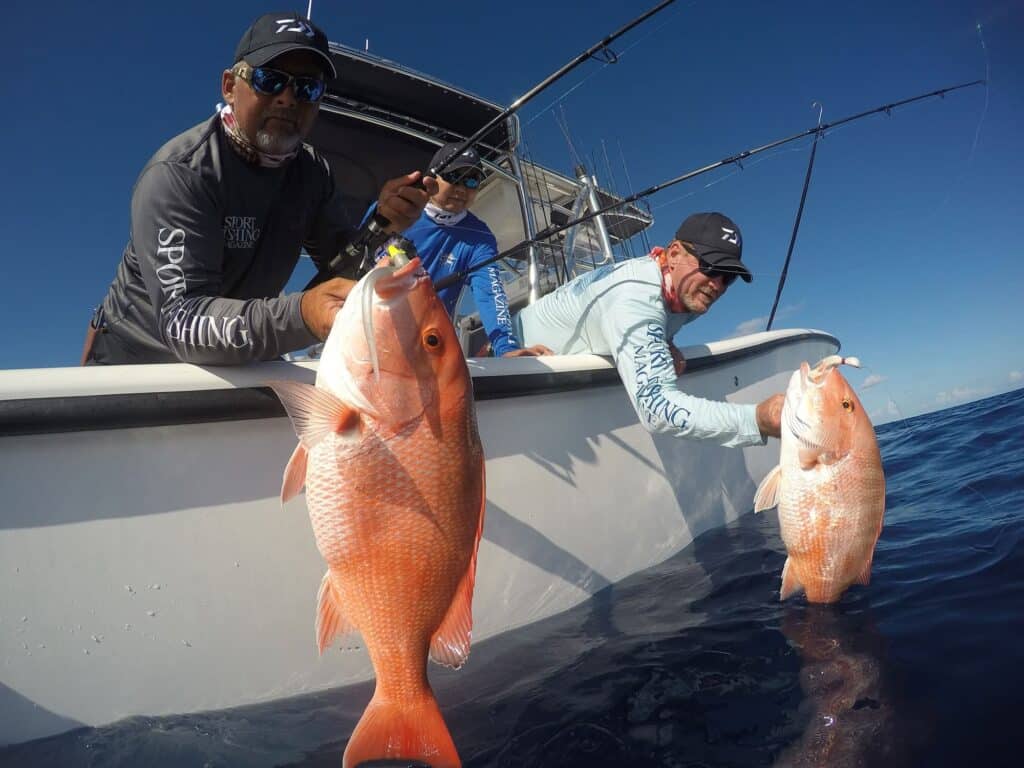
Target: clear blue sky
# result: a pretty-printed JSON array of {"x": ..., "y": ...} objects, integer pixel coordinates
[{"x": 911, "y": 247}]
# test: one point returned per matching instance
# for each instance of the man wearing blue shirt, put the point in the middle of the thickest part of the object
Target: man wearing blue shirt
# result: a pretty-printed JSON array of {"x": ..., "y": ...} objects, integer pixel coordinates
[{"x": 450, "y": 239}]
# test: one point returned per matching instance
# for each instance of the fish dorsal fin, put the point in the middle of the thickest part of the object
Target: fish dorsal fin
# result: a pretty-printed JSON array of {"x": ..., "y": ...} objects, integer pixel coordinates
[
  {"x": 450, "y": 644},
  {"x": 314, "y": 412},
  {"x": 330, "y": 620},
  {"x": 767, "y": 495}
]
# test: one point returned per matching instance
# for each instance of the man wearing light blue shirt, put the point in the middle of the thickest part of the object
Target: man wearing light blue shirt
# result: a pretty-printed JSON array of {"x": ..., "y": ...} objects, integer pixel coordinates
[{"x": 631, "y": 310}]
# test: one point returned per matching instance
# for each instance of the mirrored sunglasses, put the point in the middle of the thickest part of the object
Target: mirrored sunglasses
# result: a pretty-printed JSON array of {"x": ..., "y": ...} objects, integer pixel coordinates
[
  {"x": 470, "y": 179},
  {"x": 271, "y": 82}
]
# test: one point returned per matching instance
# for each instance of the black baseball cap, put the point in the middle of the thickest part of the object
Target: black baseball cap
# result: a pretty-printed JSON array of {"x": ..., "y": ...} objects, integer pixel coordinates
[
  {"x": 717, "y": 240},
  {"x": 468, "y": 158},
  {"x": 275, "y": 33}
]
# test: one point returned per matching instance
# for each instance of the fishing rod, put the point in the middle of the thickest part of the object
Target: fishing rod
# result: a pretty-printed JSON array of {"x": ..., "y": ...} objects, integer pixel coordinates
[
  {"x": 736, "y": 159},
  {"x": 374, "y": 232},
  {"x": 796, "y": 224}
]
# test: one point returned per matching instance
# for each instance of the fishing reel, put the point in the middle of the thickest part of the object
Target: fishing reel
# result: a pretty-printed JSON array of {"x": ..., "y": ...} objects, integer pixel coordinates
[{"x": 369, "y": 241}]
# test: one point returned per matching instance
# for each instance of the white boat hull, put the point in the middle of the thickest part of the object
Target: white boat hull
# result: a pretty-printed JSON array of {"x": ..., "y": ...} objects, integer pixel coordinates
[{"x": 152, "y": 570}]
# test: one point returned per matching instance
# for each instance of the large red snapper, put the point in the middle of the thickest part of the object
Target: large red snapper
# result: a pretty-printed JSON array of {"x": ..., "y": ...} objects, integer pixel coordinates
[
  {"x": 394, "y": 474},
  {"x": 829, "y": 485}
]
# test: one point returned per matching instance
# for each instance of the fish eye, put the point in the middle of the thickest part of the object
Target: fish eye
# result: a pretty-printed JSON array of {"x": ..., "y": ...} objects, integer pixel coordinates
[
  {"x": 847, "y": 404},
  {"x": 432, "y": 339}
]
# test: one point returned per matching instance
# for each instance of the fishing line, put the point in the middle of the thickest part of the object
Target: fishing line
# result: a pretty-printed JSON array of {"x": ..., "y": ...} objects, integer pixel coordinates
[
  {"x": 563, "y": 124},
  {"x": 629, "y": 186},
  {"x": 737, "y": 159},
  {"x": 957, "y": 184},
  {"x": 618, "y": 57},
  {"x": 984, "y": 109},
  {"x": 373, "y": 232},
  {"x": 735, "y": 172}
]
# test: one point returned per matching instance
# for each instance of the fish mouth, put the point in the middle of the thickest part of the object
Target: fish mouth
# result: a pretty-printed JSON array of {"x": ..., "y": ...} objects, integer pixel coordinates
[
  {"x": 387, "y": 283},
  {"x": 805, "y": 380},
  {"x": 819, "y": 372}
]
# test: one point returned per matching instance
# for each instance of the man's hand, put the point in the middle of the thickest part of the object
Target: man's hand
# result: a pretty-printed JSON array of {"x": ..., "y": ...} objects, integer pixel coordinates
[
  {"x": 535, "y": 351},
  {"x": 769, "y": 416},
  {"x": 321, "y": 304},
  {"x": 401, "y": 203}
]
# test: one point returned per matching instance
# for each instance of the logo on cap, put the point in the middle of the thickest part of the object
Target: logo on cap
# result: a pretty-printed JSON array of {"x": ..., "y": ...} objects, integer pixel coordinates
[
  {"x": 729, "y": 235},
  {"x": 300, "y": 26}
]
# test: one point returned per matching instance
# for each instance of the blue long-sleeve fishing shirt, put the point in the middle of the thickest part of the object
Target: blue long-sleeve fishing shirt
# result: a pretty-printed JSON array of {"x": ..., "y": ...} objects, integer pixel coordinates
[{"x": 448, "y": 248}]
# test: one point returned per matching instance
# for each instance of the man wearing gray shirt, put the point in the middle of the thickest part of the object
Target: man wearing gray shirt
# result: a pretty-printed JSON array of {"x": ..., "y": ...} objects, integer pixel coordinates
[{"x": 220, "y": 213}]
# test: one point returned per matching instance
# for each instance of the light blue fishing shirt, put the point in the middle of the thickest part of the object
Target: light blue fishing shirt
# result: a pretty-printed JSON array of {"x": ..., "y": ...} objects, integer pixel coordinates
[{"x": 618, "y": 310}]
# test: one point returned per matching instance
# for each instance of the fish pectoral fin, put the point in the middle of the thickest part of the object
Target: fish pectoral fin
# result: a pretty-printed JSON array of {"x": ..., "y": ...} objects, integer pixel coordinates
[
  {"x": 450, "y": 644},
  {"x": 864, "y": 577},
  {"x": 767, "y": 495},
  {"x": 790, "y": 583},
  {"x": 330, "y": 620},
  {"x": 294, "y": 474},
  {"x": 808, "y": 457},
  {"x": 314, "y": 412}
]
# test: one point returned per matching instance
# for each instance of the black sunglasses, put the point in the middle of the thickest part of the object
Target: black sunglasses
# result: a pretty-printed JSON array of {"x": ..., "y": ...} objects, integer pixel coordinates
[
  {"x": 272, "y": 81},
  {"x": 710, "y": 270},
  {"x": 470, "y": 180}
]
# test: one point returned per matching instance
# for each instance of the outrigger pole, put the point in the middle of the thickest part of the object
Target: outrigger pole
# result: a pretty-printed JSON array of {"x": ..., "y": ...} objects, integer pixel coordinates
[
  {"x": 737, "y": 159},
  {"x": 373, "y": 233}
]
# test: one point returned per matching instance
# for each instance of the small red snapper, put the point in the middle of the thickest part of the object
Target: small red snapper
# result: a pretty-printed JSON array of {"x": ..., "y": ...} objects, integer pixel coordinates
[
  {"x": 829, "y": 485},
  {"x": 394, "y": 474}
]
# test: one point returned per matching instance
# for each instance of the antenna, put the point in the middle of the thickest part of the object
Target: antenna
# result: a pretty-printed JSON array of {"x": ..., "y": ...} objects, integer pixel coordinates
[{"x": 309, "y": 10}]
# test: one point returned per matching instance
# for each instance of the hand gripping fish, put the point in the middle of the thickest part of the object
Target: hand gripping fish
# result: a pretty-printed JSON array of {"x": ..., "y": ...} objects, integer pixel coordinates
[
  {"x": 394, "y": 472},
  {"x": 829, "y": 485}
]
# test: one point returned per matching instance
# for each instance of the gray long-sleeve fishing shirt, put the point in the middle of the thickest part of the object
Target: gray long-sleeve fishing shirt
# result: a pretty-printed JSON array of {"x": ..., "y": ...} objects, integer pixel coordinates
[{"x": 213, "y": 242}]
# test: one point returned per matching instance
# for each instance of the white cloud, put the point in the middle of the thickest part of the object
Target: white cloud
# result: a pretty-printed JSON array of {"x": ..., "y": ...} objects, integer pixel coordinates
[
  {"x": 872, "y": 380},
  {"x": 756, "y": 324},
  {"x": 1016, "y": 376},
  {"x": 961, "y": 394},
  {"x": 751, "y": 326},
  {"x": 887, "y": 413}
]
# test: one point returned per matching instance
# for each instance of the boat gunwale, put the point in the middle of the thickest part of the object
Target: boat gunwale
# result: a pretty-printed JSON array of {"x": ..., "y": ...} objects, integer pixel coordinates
[{"x": 493, "y": 379}]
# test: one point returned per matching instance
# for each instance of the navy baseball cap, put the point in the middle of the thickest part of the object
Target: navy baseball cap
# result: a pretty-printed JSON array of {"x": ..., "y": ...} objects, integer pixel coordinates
[
  {"x": 717, "y": 240},
  {"x": 468, "y": 158},
  {"x": 275, "y": 33}
]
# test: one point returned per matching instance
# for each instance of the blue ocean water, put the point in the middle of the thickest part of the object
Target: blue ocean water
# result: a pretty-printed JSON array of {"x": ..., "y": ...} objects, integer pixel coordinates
[{"x": 696, "y": 663}]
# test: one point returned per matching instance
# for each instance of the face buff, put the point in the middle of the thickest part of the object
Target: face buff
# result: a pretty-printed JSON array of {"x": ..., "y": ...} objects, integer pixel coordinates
[
  {"x": 441, "y": 217},
  {"x": 668, "y": 286},
  {"x": 249, "y": 152}
]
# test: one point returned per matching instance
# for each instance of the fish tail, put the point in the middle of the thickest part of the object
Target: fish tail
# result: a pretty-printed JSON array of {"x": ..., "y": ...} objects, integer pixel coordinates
[{"x": 408, "y": 730}]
